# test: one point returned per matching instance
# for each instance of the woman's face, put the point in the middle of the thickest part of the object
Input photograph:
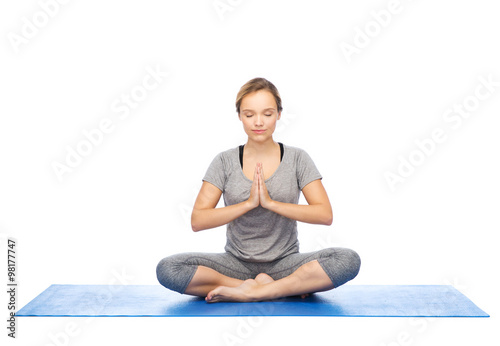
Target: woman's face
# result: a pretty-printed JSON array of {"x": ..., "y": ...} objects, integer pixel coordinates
[{"x": 259, "y": 114}]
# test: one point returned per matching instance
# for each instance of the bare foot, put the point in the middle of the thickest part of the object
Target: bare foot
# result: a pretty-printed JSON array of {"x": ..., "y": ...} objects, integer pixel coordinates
[
  {"x": 250, "y": 290},
  {"x": 242, "y": 293}
]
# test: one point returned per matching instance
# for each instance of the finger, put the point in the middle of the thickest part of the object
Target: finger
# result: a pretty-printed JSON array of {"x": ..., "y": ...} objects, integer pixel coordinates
[
  {"x": 262, "y": 179},
  {"x": 259, "y": 179}
]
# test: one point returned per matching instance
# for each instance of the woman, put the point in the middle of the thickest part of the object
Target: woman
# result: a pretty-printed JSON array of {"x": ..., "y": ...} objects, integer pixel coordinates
[{"x": 261, "y": 182}]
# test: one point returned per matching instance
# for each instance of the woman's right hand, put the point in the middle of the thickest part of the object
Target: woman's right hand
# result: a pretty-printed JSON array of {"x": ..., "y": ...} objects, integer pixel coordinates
[{"x": 253, "y": 200}]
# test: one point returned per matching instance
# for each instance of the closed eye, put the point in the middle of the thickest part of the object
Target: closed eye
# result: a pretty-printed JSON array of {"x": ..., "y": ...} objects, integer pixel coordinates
[{"x": 251, "y": 115}]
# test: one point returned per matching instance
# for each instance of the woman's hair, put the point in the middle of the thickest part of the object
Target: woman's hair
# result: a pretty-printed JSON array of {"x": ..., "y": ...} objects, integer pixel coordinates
[{"x": 257, "y": 84}]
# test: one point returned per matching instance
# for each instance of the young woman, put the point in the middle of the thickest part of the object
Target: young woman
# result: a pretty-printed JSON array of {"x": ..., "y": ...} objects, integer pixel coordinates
[{"x": 261, "y": 182}]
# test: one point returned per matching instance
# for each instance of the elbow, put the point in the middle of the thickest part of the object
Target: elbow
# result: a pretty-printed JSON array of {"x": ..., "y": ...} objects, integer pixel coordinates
[
  {"x": 328, "y": 218},
  {"x": 325, "y": 220},
  {"x": 198, "y": 221},
  {"x": 194, "y": 223},
  {"x": 195, "y": 226},
  {"x": 328, "y": 221}
]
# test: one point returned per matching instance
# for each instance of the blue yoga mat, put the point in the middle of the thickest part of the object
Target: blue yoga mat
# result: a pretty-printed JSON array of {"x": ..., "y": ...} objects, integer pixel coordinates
[{"x": 347, "y": 300}]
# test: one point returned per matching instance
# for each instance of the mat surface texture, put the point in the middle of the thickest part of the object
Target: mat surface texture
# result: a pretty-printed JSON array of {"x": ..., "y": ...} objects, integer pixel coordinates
[{"x": 347, "y": 300}]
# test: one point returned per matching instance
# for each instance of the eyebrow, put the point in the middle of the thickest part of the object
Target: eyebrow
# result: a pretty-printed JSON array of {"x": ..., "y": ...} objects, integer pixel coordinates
[{"x": 266, "y": 109}]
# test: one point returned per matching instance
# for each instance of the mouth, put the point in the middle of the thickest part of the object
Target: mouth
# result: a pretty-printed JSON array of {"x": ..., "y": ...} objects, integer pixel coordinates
[{"x": 259, "y": 131}]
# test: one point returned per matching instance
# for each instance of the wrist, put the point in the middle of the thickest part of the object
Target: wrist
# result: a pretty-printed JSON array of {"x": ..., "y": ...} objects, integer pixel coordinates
[
  {"x": 270, "y": 205},
  {"x": 249, "y": 205}
]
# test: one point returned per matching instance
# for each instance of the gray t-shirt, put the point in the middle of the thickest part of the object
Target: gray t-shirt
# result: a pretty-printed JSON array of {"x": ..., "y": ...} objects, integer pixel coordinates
[{"x": 261, "y": 235}]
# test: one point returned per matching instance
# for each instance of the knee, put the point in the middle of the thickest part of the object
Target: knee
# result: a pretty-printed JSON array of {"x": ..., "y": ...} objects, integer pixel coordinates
[
  {"x": 168, "y": 273},
  {"x": 345, "y": 264},
  {"x": 163, "y": 270},
  {"x": 352, "y": 261}
]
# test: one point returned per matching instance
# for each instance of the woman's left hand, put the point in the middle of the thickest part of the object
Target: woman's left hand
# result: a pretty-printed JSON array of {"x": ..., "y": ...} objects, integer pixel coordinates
[{"x": 264, "y": 198}]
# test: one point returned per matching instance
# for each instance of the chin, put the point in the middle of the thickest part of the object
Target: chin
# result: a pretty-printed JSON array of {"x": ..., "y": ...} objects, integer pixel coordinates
[{"x": 260, "y": 138}]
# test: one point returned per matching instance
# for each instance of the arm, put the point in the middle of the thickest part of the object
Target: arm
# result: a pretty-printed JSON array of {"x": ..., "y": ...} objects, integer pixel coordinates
[
  {"x": 205, "y": 214},
  {"x": 318, "y": 210}
]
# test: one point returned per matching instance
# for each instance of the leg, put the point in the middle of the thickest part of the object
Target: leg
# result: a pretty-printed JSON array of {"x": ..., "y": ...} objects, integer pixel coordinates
[
  {"x": 206, "y": 279},
  {"x": 197, "y": 273},
  {"x": 298, "y": 274},
  {"x": 308, "y": 278}
]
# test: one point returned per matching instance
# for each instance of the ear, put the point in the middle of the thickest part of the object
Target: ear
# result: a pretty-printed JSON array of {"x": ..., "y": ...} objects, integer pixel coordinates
[{"x": 279, "y": 115}]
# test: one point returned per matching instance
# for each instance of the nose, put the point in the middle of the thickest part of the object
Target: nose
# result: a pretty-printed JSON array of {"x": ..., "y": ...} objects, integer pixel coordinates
[{"x": 259, "y": 120}]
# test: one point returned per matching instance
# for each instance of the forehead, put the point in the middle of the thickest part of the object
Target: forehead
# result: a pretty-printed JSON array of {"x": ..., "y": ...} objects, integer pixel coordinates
[{"x": 258, "y": 100}]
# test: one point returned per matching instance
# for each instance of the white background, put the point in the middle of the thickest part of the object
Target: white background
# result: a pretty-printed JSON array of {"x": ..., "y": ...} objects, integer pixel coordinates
[{"x": 127, "y": 204}]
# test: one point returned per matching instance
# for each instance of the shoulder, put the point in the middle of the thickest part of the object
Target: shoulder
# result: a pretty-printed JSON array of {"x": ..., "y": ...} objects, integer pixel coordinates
[
  {"x": 222, "y": 165},
  {"x": 227, "y": 156},
  {"x": 229, "y": 152},
  {"x": 295, "y": 152}
]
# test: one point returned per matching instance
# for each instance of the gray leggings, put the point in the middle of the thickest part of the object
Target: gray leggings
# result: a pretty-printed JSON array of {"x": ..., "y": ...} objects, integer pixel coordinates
[{"x": 176, "y": 271}]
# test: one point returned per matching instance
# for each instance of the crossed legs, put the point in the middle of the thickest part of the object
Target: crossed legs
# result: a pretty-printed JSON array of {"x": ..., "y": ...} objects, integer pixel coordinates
[
  {"x": 308, "y": 278},
  {"x": 222, "y": 277}
]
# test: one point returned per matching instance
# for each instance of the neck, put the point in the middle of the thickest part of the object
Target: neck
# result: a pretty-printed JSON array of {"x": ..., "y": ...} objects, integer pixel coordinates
[{"x": 261, "y": 147}]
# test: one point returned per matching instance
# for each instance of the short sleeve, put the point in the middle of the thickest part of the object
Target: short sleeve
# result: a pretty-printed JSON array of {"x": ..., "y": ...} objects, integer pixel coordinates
[
  {"x": 306, "y": 170},
  {"x": 215, "y": 173}
]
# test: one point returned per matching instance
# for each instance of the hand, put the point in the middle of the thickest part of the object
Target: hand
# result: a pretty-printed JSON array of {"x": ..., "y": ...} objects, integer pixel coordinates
[
  {"x": 264, "y": 198},
  {"x": 253, "y": 200}
]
